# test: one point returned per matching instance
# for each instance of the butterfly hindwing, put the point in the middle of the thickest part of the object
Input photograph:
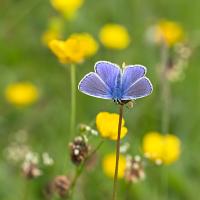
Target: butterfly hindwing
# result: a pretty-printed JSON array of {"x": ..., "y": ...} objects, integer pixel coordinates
[
  {"x": 141, "y": 88},
  {"x": 93, "y": 85},
  {"x": 131, "y": 74}
]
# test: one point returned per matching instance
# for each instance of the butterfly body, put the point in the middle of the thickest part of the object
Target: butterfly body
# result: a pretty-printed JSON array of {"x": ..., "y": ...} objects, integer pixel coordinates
[
  {"x": 117, "y": 90},
  {"x": 110, "y": 82}
]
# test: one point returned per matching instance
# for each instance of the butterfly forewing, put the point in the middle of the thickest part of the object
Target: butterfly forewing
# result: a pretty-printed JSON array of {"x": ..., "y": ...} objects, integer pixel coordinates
[{"x": 108, "y": 72}]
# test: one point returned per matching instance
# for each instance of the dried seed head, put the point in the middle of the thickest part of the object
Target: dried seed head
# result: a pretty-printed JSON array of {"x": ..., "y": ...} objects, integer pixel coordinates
[
  {"x": 30, "y": 170},
  {"x": 134, "y": 171},
  {"x": 61, "y": 186},
  {"x": 78, "y": 150}
]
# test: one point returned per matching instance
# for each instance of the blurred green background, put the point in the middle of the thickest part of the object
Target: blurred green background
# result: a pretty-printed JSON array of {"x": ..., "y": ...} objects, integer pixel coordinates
[{"x": 23, "y": 57}]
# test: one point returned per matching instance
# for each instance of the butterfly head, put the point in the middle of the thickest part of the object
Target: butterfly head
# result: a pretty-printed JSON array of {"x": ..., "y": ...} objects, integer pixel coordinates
[{"x": 121, "y": 102}]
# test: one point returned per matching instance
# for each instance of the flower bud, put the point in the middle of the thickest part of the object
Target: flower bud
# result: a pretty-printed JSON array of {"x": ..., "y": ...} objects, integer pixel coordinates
[
  {"x": 61, "y": 186},
  {"x": 30, "y": 170},
  {"x": 84, "y": 128}
]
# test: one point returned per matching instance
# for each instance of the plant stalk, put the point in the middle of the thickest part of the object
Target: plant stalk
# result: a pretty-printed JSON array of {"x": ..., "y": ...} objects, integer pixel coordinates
[
  {"x": 73, "y": 99},
  {"x": 165, "y": 90},
  {"x": 81, "y": 168},
  {"x": 117, "y": 153},
  {"x": 165, "y": 98}
]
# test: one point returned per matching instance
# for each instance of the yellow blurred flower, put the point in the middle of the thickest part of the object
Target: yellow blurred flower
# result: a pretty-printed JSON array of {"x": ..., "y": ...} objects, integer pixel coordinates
[
  {"x": 49, "y": 35},
  {"x": 21, "y": 94},
  {"x": 161, "y": 148},
  {"x": 107, "y": 125},
  {"x": 68, "y": 51},
  {"x": 169, "y": 32},
  {"x": 54, "y": 30},
  {"x": 87, "y": 43},
  {"x": 114, "y": 36},
  {"x": 75, "y": 49},
  {"x": 108, "y": 165},
  {"x": 172, "y": 149},
  {"x": 68, "y": 8},
  {"x": 152, "y": 145}
]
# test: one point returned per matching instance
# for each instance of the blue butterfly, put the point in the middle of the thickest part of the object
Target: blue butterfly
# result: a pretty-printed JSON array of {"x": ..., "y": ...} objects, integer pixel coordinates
[{"x": 110, "y": 82}]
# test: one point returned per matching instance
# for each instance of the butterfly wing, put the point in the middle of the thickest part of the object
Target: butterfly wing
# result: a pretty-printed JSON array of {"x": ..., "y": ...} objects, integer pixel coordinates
[
  {"x": 141, "y": 88},
  {"x": 134, "y": 83},
  {"x": 109, "y": 73},
  {"x": 131, "y": 74},
  {"x": 93, "y": 85}
]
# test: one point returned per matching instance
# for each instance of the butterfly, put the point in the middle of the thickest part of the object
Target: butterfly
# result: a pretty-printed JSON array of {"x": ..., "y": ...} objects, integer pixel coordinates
[{"x": 109, "y": 81}]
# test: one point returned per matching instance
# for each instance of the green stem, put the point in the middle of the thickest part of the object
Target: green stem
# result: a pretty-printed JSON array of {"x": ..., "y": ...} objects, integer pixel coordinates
[
  {"x": 117, "y": 153},
  {"x": 165, "y": 90},
  {"x": 73, "y": 99},
  {"x": 166, "y": 107},
  {"x": 128, "y": 190},
  {"x": 81, "y": 168},
  {"x": 165, "y": 97},
  {"x": 26, "y": 190}
]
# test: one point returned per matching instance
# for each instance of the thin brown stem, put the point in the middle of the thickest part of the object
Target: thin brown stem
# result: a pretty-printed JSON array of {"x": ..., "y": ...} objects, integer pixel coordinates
[
  {"x": 117, "y": 153},
  {"x": 81, "y": 168}
]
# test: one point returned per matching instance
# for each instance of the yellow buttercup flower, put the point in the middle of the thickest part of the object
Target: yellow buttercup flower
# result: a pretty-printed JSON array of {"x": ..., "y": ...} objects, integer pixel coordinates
[
  {"x": 152, "y": 145},
  {"x": 163, "y": 148},
  {"x": 67, "y": 7},
  {"x": 21, "y": 94},
  {"x": 108, "y": 165},
  {"x": 172, "y": 149},
  {"x": 169, "y": 32},
  {"x": 114, "y": 36},
  {"x": 87, "y": 43},
  {"x": 75, "y": 49},
  {"x": 49, "y": 35},
  {"x": 54, "y": 30},
  {"x": 107, "y": 125},
  {"x": 68, "y": 51}
]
